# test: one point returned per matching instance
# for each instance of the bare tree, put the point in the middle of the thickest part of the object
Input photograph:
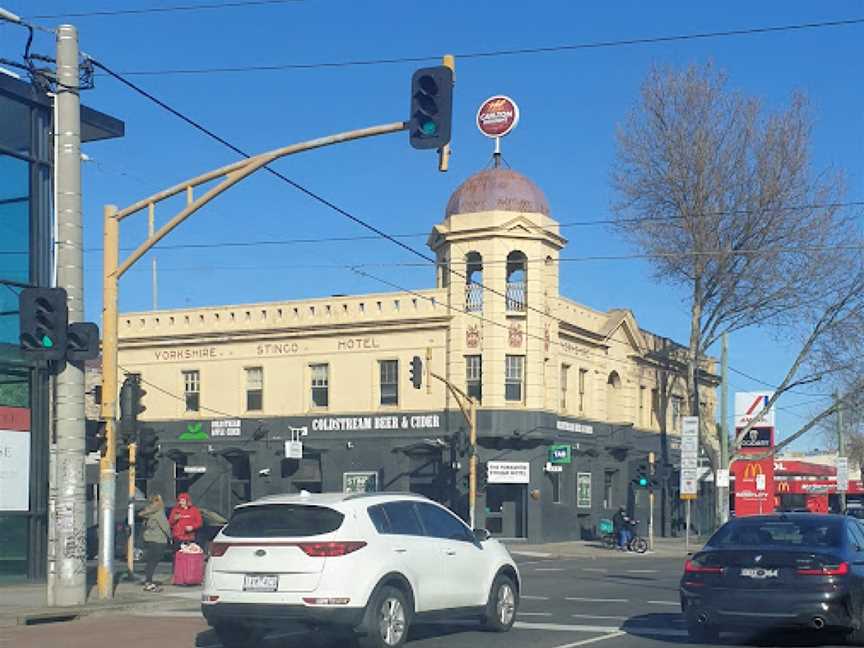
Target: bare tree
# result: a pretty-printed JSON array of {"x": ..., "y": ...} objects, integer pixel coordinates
[{"x": 721, "y": 195}]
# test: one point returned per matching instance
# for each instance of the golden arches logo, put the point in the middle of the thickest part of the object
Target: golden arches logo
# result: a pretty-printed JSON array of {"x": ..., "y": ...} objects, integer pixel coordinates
[
  {"x": 752, "y": 470},
  {"x": 783, "y": 487}
]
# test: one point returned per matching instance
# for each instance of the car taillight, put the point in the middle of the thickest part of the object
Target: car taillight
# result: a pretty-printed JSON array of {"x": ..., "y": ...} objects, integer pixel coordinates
[
  {"x": 691, "y": 567},
  {"x": 840, "y": 569},
  {"x": 329, "y": 549},
  {"x": 218, "y": 548}
]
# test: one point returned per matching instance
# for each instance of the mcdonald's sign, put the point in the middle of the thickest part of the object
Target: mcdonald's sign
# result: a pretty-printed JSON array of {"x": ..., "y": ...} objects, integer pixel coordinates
[
  {"x": 783, "y": 487},
  {"x": 752, "y": 470}
]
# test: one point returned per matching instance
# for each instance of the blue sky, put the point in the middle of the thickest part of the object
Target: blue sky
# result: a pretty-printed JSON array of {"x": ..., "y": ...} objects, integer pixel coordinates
[{"x": 570, "y": 103}]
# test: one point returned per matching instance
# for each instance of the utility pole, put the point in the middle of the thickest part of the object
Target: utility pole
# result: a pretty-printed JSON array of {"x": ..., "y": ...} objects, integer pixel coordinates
[
  {"x": 651, "y": 484},
  {"x": 841, "y": 446},
  {"x": 723, "y": 492},
  {"x": 70, "y": 578}
]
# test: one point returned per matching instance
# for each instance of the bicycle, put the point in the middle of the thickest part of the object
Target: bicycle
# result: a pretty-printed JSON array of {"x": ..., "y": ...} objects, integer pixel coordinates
[{"x": 609, "y": 538}]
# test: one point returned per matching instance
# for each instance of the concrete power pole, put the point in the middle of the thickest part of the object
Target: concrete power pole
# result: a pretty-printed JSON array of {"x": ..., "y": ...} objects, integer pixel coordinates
[
  {"x": 841, "y": 447},
  {"x": 723, "y": 493},
  {"x": 70, "y": 577}
]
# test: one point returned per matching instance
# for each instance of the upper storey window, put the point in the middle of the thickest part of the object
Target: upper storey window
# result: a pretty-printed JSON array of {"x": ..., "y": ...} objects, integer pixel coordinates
[
  {"x": 517, "y": 265},
  {"x": 473, "y": 282}
]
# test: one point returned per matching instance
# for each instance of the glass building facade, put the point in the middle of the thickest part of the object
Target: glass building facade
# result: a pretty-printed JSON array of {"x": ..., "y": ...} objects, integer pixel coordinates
[{"x": 26, "y": 189}]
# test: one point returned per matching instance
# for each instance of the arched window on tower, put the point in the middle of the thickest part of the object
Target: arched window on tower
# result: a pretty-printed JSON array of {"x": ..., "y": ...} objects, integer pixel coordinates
[
  {"x": 473, "y": 282},
  {"x": 517, "y": 266}
]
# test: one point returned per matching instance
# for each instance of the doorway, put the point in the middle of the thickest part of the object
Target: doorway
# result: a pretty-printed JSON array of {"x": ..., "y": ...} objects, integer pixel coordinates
[{"x": 506, "y": 507}]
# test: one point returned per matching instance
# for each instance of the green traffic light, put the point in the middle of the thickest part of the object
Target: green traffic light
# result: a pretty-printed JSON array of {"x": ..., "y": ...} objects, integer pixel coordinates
[
  {"x": 47, "y": 342},
  {"x": 643, "y": 481},
  {"x": 429, "y": 128}
]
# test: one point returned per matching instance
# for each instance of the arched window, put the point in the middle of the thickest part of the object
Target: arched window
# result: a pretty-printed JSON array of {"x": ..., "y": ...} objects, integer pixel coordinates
[
  {"x": 473, "y": 282},
  {"x": 517, "y": 266},
  {"x": 613, "y": 397}
]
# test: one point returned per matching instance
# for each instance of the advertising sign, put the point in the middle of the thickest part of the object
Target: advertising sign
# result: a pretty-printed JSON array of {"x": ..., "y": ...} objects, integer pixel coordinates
[
  {"x": 293, "y": 449},
  {"x": 14, "y": 459},
  {"x": 754, "y": 486},
  {"x": 748, "y": 405},
  {"x": 583, "y": 490},
  {"x": 757, "y": 438},
  {"x": 842, "y": 474},
  {"x": 508, "y": 472},
  {"x": 689, "y": 485},
  {"x": 560, "y": 454},
  {"x": 497, "y": 116},
  {"x": 360, "y": 482}
]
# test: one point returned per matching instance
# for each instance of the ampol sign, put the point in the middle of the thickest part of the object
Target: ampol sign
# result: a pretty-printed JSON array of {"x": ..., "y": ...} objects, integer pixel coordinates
[{"x": 747, "y": 407}]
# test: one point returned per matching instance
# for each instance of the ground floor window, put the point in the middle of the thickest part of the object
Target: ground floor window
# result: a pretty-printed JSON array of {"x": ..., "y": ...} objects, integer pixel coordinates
[{"x": 609, "y": 489}]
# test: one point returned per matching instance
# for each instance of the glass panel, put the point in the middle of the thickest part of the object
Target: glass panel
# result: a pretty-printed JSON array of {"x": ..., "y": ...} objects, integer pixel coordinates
[
  {"x": 15, "y": 118},
  {"x": 14, "y": 239},
  {"x": 389, "y": 382},
  {"x": 474, "y": 376},
  {"x": 282, "y": 520},
  {"x": 320, "y": 384},
  {"x": 513, "y": 378},
  {"x": 440, "y": 524},
  {"x": 13, "y": 546},
  {"x": 14, "y": 387},
  {"x": 403, "y": 518}
]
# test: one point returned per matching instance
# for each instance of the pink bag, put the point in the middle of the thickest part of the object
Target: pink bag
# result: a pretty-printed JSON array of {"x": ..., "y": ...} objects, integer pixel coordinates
[{"x": 188, "y": 568}]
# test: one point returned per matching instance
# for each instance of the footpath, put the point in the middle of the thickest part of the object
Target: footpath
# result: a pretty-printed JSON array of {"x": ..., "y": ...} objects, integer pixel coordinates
[{"x": 26, "y": 603}]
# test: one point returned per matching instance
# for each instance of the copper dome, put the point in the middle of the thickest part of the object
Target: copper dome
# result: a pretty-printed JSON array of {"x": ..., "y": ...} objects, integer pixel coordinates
[{"x": 497, "y": 189}]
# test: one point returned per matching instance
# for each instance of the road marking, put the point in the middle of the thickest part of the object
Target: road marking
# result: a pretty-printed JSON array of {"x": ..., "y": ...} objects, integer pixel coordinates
[
  {"x": 585, "y": 642},
  {"x": 545, "y": 614},
  {"x": 598, "y": 616},
  {"x": 545, "y": 569},
  {"x": 594, "y": 569},
  {"x": 526, "y": 597},
  {"x": 675, "y": 603},
  {"x": 642, "y": 571},
  {"x": 632, "y": 629},
  {"x": 532, "y": 554},
  {"x": 595, "y": 600}
]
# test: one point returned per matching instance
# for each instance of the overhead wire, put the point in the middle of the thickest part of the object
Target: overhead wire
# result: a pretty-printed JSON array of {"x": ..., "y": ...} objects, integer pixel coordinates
[{"x": 168, "y": 9}]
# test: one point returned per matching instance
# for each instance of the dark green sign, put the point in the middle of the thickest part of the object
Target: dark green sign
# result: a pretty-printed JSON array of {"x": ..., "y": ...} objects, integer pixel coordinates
[{"x": 559, "y": 454}]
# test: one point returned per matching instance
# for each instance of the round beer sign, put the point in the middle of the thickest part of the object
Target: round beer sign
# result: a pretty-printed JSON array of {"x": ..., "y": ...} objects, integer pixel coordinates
[{"x": 497, "y": 116}]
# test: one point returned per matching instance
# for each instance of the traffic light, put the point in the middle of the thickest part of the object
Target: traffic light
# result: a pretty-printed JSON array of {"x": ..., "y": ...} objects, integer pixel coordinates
[
  {"x": 82, "y": 341},
  {"x": 43, "y": 318},
  {"x": 416, "y": 372},
  {"x": 95, "y": 438},
  {"x": 431, "y": 107},
  {"x": 131, "y": 406},
  {"x": 145, "y": 459}
]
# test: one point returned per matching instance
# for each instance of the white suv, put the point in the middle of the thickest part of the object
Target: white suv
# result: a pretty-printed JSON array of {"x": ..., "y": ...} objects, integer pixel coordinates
[{"x": 370, "y": 563}]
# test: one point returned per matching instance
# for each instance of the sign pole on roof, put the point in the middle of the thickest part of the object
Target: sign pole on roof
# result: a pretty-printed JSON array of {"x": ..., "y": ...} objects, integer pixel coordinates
[{"x": 497, "y": 116}]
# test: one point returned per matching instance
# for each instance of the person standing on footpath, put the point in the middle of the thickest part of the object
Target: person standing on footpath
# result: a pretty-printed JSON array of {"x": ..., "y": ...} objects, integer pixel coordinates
[
  {"x": 185, "y": 519},
  {"x": 156, "y": 535}
]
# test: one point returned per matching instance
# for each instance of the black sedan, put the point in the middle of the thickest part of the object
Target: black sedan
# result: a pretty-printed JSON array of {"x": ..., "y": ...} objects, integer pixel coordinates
[{"x": 773, "y": 572}]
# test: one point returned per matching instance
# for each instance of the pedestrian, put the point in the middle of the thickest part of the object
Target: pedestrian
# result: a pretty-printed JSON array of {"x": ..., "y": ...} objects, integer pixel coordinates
[
  {"x": 185, "y": 519},
  {"x": 621, "y": 526},
  {"x": 156, "y": 535}
]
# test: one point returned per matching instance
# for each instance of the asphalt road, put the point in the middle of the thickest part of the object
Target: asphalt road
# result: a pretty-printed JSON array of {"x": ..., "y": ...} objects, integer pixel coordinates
[{"x": 609, "y": 602}]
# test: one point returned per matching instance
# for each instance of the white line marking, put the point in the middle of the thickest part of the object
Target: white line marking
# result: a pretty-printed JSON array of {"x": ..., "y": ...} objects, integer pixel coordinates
[
  {"x": 596, "y": 600},
  {"x": 545, "y": 569},
  {"x": 544, "y": 614},
  {"x": 594, "y": 569},
  {"x": 642, "y": 571},
  {"x": 531, "y": 554},
  {"x": 560, "y": 627},
  {"x": 585, "y": 642},
  {"x": 526, "y": 597},
  {"x": 675, "y": 603},
  {"x": 598, "y": 616}
]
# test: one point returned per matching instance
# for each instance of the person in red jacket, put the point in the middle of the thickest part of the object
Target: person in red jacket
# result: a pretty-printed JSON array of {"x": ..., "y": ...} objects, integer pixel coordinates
[{"x": 185, "y": 519}]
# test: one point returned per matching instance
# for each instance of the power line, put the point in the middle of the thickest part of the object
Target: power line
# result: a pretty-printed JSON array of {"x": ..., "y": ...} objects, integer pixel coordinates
[
  {"x": 507, "y": 52},
  {"x": 148, "y": 10},
  {"x": 774, "y": 387},
  {"x": 173, "y": 395}
]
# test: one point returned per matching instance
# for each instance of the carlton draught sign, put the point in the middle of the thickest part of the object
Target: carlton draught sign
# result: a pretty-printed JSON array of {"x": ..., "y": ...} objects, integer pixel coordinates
[{"x": 497, "y": 116}]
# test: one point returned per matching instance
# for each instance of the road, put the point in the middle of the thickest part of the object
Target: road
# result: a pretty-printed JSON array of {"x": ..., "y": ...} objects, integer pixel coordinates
[{"x": 611, "y": 602}]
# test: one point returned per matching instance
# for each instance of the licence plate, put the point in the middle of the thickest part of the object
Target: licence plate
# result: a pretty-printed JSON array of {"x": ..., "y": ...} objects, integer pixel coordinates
[
  {"x": 759, "y": 572},
  {"x": 260, "y": 583}
]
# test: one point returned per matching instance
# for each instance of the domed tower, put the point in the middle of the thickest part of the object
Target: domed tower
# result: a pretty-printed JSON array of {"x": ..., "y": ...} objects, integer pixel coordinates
[{"x": 497, "y": 251}]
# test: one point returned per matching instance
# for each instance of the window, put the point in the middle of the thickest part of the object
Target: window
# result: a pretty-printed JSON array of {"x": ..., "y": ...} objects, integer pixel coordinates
[
  {"x": 514, "y": 371},
  {"x": 642, "y": 404},
  {"x": 254, "y": 388},
  {"x": 379, "y": 518},
  {"x": 473, "y": 282},
  {"x": 583, "y": 490},
  {"x": 389, "y": 382},
  {"x": 677, "y": 409},
  {"x": 474, "y": 376},
  {"x": 280, "y": 520},
  {"x": 608, "y": 489},
  {"x": 655, "y": 407},
  {"x": 441, "y": 524},
  {"x": 555, "y": 481},
  {"x": 320, "y": 384},
  {"x": 583, "y": 379},
  {"x": 565, "y": 369},
  {"x": 403, "y": 518},
  {"x": 192, "y": 390},
  {"x": 516, "y": 266}
]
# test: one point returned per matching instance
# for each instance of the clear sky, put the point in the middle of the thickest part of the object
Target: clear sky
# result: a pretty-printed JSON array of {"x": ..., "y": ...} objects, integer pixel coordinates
[{"x": 571, "y": 102}]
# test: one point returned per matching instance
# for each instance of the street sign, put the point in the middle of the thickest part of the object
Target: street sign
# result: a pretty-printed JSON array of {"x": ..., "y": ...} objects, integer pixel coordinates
[
  {"x": 722, "y": 478},
  {"x": 689, "y": 485},
  {"x": 293, "y": 449},
  {"x": 842, "y": 474}
]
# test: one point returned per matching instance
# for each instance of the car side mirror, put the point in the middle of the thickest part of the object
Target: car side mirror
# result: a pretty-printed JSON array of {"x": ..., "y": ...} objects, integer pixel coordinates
[{"x": 482, "y": 535}]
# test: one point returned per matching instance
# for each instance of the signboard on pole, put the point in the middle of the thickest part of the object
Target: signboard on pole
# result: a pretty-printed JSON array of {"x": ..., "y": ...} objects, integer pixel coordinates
[
  {"x": 747, "y": 407},
  {"x": 842, "y": 474},
  {"x": 689, "y": 486},
  {"x": 508, "y": 472}
]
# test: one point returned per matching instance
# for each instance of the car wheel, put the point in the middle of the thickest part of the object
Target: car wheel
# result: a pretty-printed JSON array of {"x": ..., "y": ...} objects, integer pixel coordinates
[
  {"x": 501, "y": 607},
  {"x": 702, "y": 633},
  {"x": 387, "y": 619},
  {"x": 238, "y": 636}
]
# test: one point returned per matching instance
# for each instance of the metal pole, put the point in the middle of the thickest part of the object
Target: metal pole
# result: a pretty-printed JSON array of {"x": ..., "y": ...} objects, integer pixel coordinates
[
  {"x": 151, "y": 221},
  {"x": 70, "y": 582},
  {"x": 723, "y": 493},
  {"x": 107, "y": 465},
  {"x": 472, "y": 463},
  {"x": 841, "y": 446},
  {"x": 651, "y": 502},
  {"x": 130, "y": 515},
  {"x": 687, "y": 531}
]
